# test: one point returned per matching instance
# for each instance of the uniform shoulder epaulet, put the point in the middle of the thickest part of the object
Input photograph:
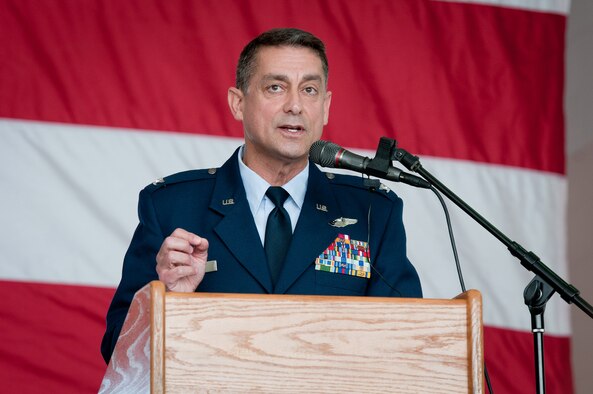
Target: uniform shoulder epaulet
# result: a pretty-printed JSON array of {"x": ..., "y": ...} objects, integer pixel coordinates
[
  {"x": 359, "y": 182},
  {"x": 180, "y": 177}
]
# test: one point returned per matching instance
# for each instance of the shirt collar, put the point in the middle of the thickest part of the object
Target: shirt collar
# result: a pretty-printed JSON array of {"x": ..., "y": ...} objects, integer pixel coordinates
[{"x": 256, "y": 187}]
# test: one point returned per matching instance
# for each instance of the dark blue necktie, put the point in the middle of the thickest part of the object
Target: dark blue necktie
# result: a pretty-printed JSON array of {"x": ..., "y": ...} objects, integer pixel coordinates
[{"x": 278, "y": 231}]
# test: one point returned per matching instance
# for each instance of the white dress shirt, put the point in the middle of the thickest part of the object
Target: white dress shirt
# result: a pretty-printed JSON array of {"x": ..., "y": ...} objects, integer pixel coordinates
[{"x": 261, "y": 206}]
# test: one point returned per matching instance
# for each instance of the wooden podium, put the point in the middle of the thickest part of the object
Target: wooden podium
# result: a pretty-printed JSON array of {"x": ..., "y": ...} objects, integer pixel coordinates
[{"x": 251, "y": 343}]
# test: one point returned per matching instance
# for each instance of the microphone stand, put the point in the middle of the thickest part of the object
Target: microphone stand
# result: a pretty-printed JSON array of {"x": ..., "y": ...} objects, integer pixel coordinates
[{"x": 537, "y": 293}]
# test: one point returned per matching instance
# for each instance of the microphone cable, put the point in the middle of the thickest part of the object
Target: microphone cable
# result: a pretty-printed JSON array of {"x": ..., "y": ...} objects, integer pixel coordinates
[{"x": 458, "y": 266}]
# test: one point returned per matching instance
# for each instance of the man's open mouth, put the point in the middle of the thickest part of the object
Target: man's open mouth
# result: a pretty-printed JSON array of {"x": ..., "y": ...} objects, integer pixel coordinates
[{"x": 292, "y": 128}]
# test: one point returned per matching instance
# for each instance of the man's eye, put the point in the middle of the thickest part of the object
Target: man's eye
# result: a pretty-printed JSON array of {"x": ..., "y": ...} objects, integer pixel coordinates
[
  {"x": 274, "y": 88},
  {"x": 310, "y": 90}
]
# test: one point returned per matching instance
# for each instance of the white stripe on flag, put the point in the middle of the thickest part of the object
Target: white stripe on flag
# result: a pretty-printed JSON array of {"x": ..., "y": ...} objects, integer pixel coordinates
[
  {"x": 528, "y": 206},
  {"x": 72, "y": 195}
]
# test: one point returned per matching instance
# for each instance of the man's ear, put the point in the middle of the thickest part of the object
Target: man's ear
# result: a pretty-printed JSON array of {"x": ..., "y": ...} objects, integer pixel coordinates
[
  {"x": 326, "y": 104},
  {"x": 235, "y": 98}
]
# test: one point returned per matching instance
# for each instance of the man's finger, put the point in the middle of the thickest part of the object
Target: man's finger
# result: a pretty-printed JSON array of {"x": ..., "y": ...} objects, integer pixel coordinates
[
  {"x": 174, "y": 243},
  {"x": 174, "y": 258},
  {"x": 186, "y": 235},
  {"x": 182, "y": 271},
  {"x": 200, "y": 247},
  {"x": 172, "y": 276}
]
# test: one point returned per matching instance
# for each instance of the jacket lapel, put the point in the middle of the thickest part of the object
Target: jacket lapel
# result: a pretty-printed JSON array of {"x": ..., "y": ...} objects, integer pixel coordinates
[
  {"x": 237, "y": 229},
  {"x": 313, "y": 233}
]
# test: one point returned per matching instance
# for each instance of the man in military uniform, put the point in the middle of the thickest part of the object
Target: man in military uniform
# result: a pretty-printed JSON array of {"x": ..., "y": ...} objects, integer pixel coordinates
[{"x": 268, "y": 220}]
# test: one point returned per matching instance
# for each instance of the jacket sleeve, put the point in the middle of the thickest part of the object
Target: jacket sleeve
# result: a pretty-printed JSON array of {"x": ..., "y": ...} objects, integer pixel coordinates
[{"x": 138, "y": 270}]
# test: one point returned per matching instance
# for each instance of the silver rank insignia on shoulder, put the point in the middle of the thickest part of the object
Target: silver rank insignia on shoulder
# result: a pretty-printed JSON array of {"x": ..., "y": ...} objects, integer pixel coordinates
[
  {"x": 384, "y": 187},
  {"x": 158, "y": 181},
  {"x": 343, "y": 222}
]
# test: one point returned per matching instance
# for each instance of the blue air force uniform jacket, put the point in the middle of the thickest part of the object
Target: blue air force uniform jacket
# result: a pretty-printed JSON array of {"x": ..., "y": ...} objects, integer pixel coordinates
[{"x": 212, "y": 204}]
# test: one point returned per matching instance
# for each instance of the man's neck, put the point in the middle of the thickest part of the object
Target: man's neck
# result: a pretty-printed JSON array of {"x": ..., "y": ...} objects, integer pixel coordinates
[{"x": 276, "y": 172}]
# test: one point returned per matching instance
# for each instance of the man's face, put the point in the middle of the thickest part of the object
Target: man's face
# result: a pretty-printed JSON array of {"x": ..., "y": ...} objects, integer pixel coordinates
[{"x": 285, "y": 107}]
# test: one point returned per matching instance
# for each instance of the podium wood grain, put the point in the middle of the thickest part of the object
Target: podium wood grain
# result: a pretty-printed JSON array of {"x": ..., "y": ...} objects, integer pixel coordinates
[{"x": 226, "y": 343}]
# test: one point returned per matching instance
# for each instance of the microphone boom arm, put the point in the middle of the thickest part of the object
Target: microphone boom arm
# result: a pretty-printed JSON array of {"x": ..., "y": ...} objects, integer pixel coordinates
[{"x": 529, "y": 260}]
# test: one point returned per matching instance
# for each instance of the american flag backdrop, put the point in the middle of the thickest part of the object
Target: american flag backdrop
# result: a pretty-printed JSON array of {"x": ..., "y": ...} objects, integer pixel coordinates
[{"x": 100, "y": 97}]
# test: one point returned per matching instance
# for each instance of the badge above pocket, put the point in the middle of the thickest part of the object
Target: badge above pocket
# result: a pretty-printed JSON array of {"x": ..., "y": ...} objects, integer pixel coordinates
[{"x": 345, "y": 256}]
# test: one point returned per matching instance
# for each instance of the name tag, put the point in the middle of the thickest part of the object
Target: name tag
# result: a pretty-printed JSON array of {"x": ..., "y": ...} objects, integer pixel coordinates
[{"x": 211, "y": 266}]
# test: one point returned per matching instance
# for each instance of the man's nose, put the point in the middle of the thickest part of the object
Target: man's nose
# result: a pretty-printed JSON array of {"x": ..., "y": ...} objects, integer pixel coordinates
[{"x": 293, "y": 103}]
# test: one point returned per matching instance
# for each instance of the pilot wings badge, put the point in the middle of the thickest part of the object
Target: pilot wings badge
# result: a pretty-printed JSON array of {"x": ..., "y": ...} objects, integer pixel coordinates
[{"x": 342, "y": 222}]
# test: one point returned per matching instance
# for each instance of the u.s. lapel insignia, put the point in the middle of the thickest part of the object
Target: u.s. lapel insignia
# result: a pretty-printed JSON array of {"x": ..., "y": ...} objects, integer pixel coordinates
[
  {"x": 228, "y": 201},
  {"x": 321, "y": 207},
  {"x": 343, "y": 222}
]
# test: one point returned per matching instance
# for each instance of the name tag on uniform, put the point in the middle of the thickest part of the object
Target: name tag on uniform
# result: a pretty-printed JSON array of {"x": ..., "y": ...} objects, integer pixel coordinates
[
  {"x": 346, "y": 256},
  {"x": 211, "y": 266}
]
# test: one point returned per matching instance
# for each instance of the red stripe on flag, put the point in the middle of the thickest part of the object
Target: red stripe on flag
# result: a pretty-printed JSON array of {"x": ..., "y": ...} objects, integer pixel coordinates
[
  {"x": 51, "y": 336},
  {"x": 452, "y": 80},
  {"x": 510, "y": 361}
]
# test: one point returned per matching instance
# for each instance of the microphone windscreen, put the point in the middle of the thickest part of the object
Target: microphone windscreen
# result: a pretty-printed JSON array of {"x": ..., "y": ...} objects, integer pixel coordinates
[{"x": 324, "y": 153}]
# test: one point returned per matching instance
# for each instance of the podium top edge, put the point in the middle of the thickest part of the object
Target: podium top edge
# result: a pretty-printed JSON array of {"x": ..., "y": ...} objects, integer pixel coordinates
[{"x": 159, "y": 288}]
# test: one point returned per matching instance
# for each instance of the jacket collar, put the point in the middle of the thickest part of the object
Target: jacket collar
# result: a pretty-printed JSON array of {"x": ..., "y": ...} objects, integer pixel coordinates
[{"x": 237, "y": 229}]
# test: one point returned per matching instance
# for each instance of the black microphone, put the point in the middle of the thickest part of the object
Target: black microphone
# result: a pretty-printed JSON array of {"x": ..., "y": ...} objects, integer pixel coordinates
[{"x": 328, "y": 154}]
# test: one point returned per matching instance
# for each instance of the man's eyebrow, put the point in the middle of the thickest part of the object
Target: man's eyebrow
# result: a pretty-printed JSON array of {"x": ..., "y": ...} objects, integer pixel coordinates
[
  {"x": 284, "y": 78},
  {"x": 276, "y": 77},
  {"x": 312, "y": 77}
]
